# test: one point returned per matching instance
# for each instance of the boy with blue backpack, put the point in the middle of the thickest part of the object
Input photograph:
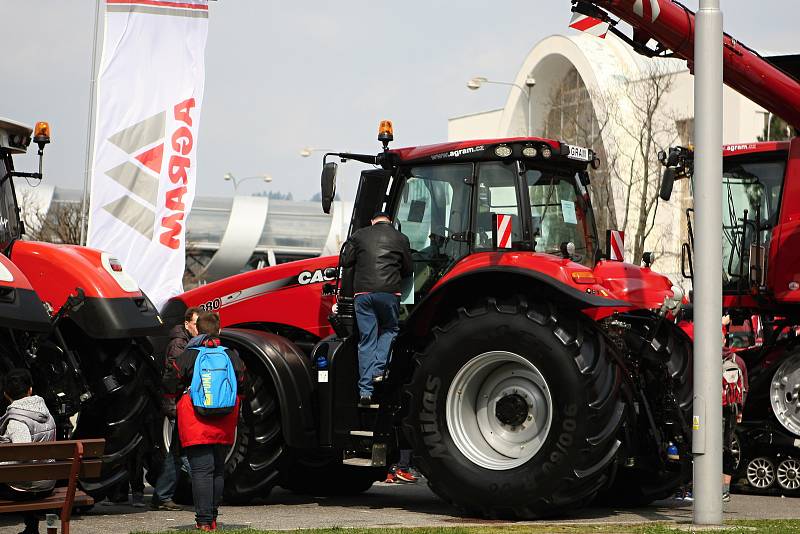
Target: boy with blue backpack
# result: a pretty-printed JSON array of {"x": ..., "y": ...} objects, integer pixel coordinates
[{"x": 208, "y": 411}]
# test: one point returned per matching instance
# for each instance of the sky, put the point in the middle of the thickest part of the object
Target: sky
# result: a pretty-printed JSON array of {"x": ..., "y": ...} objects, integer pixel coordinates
[{"x": 283, "y": 75}]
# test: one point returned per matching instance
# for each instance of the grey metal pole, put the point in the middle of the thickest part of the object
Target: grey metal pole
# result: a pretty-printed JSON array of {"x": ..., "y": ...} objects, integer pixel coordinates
[
  {"x": 90, "y": 125},
  {"x": 707, "y": 418}
]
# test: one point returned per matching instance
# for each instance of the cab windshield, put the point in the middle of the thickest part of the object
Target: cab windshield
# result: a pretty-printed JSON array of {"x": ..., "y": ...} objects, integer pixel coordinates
[
  {"x": 753, "y": 185},
  {"x": 10, "y": 225},
  {"x": 559, "y": 214},
  {"x": 450, "y": 210}
]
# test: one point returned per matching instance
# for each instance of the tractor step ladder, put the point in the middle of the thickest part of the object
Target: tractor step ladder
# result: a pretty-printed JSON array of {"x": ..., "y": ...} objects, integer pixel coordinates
[{"x": 377, "y": 457}]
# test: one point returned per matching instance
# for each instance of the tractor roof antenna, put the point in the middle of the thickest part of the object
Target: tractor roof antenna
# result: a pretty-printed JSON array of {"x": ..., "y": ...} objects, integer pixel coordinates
[{"x": 385, "y": 134}]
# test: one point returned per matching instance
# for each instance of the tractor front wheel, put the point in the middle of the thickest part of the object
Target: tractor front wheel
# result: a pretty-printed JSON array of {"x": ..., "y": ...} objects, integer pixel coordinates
[{"x": 514, "y": 411}]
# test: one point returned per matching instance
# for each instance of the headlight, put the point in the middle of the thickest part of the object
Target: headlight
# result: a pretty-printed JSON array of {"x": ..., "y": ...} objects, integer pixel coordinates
[
  {"x": 529, "y": 151},
  {"x": 502, "y": 151},
  {"x": 547, "y": 152},
  {"x": 113, "y": 267}
]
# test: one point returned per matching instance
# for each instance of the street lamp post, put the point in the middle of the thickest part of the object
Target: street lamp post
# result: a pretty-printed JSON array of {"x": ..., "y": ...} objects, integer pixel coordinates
[
  {"x": 475, "y": 83},
  {"x": 266, "y": 178}
]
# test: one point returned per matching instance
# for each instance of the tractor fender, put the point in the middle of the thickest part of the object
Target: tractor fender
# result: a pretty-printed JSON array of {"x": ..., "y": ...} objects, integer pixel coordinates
[
  {"x": 289, "y": 371},
  {"x": 466, "y": 287},
  {"x": 113, "y": 305}
]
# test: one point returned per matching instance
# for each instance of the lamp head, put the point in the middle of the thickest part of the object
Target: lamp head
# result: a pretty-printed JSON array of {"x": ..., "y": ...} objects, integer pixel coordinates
[{"x": 475, "y": 83}]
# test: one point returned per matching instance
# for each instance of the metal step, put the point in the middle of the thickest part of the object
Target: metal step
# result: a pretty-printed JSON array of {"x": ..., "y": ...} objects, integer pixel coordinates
[
  {"x": 362, "y": 433},
  {"x": 358, "y": 462}
]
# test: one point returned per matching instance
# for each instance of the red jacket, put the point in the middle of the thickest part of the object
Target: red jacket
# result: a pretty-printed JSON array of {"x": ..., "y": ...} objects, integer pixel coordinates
[{"x": 194, "y": 429}]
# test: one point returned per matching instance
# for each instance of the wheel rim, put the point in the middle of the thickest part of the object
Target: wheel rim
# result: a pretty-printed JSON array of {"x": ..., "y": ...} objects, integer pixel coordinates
[
  {"x": 736, "y": 451},
  {"x": 168, "y": 425},
  {"x": 785, "y": 394},
  {"x": 760, "y": 473},
  {"x": 789, "y": 474},
  {"x": 499, "y": 410}
]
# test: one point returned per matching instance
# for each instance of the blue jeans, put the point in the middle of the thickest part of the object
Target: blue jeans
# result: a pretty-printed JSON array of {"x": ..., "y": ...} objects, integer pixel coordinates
[
  {"x": 376, "y": 315},
  {"x": 208, "y": 471},
  {"x": 168, "y": 478}
]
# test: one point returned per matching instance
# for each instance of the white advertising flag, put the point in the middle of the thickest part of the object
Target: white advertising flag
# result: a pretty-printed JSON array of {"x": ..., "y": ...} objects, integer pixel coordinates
[{"x": 149, "y": 96}]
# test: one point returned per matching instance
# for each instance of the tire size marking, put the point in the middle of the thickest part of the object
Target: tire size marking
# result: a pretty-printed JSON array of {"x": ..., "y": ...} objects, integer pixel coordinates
[
  {"x": 428, "y": 420},
  {"x": 564, "y": 441}
]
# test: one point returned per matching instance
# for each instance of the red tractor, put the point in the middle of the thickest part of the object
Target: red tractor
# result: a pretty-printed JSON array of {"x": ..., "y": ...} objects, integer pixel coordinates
[
  {"x": 529, "y": 376},
  {"x": 761, "y": 281},
  {"x": 79, "y": 322}
]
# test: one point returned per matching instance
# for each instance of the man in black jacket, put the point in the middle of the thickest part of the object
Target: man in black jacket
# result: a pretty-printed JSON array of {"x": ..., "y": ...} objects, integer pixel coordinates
[
  {"x": 381, "y": 258},
  {"x": 167, "y": 481}
]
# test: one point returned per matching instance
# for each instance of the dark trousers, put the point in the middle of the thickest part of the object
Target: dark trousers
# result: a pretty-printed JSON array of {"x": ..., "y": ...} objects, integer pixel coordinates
[
  {"x": 376, "y": 315},
  {"x": 728, "y": 429},
  {"x": 173, "y": 463},
  {"x": 207, "y": 463}
]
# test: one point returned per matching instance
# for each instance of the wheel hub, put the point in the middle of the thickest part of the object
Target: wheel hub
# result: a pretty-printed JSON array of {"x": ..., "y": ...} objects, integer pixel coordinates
[
  {"x": 511, "y": 410},
  {"x": 761, "y": 473},
  {"x": 788, "y": 474},
  {"x": 499, "y": 410},
  {"x": 785, "y": 394}
]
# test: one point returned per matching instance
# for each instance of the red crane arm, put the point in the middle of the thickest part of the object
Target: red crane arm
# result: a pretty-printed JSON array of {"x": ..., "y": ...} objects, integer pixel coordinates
[{"x": 672, "y": 26}]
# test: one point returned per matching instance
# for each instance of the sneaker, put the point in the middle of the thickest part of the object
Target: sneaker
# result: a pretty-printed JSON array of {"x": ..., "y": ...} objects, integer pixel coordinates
[
  {"x": 688, "y": 496},
  {"x": 404, "y": 475},
  {"x": 168, "y": 505},
  {"x": 365, "y": 400},
  {"x": 390, "y": 478},
  {"x": 137, "y": 500},
  {"x": 204, "y": 528},
  {"x": 726, "y": 496}
]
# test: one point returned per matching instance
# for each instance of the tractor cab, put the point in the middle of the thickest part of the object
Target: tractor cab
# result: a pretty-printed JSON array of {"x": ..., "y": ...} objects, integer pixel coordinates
[
  {"x": 15, "y": 139},
  {"x": 755, "y": 209},
  {"x": 456, "y": 199}
]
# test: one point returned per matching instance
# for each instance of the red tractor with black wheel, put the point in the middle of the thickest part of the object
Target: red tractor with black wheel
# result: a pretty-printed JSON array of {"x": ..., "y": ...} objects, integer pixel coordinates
[
  {"x": 761, "y": 238},
  {"x": 530, "y": 374},
  {"x": 78, "y": 321}
]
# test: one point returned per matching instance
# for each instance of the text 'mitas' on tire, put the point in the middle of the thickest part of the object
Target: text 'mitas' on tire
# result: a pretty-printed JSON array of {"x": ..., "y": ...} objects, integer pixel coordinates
[{"x": 515, "y": 407}]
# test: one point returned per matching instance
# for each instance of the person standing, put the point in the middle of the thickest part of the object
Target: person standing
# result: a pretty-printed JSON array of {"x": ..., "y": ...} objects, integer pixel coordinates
[
  {"x": 734, "y": 395},
  {"x": 27, "y": 420},
  {"x": 381, "y": 258},
  {"x": 206, "y": 438},
  {"x": 179, "y": 338}
]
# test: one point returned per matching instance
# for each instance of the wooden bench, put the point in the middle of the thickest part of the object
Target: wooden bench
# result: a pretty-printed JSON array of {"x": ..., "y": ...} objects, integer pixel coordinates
[{"x": 72, "y": 459}]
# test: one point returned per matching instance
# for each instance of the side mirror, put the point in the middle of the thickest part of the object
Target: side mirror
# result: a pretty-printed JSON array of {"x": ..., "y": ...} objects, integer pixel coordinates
[
  {"x": 667, "y": 183},
  {"x": 328, "y": 185}
]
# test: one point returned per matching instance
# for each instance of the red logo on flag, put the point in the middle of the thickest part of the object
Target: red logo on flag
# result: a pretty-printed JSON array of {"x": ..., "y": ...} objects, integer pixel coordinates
[
  {"x": 616, "y": 245},
  {"x": 504, "y": 231}
]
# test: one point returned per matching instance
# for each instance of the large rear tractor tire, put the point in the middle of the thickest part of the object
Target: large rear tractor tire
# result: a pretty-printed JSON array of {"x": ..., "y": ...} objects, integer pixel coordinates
[
  {"x": 125, "y": 410},
  {"x": 514, "y": 410},
  {"x": 640, "y": 485}
]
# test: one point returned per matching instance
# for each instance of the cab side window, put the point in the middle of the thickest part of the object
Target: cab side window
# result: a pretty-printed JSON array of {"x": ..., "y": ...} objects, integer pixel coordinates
[{"x": 497, "y": 195}]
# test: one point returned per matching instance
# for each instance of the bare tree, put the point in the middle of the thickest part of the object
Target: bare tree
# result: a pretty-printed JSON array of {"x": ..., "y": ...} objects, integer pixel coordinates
[
  {"x": 572, "y": 118},
  {"x": 641, "y": 127},
  {"x": 61, "y": 223}
]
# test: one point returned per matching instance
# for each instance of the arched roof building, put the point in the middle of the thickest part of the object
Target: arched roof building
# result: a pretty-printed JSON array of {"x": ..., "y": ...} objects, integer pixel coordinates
[{"x": 590, "y": 91}]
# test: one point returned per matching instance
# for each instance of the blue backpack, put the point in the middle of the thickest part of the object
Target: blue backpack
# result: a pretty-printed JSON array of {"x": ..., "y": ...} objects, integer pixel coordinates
[{"x": 213, "y": 387}]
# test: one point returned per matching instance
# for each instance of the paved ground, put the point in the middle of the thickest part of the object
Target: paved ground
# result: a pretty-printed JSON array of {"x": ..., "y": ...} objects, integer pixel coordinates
[{"x": 385, "y": 505}]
